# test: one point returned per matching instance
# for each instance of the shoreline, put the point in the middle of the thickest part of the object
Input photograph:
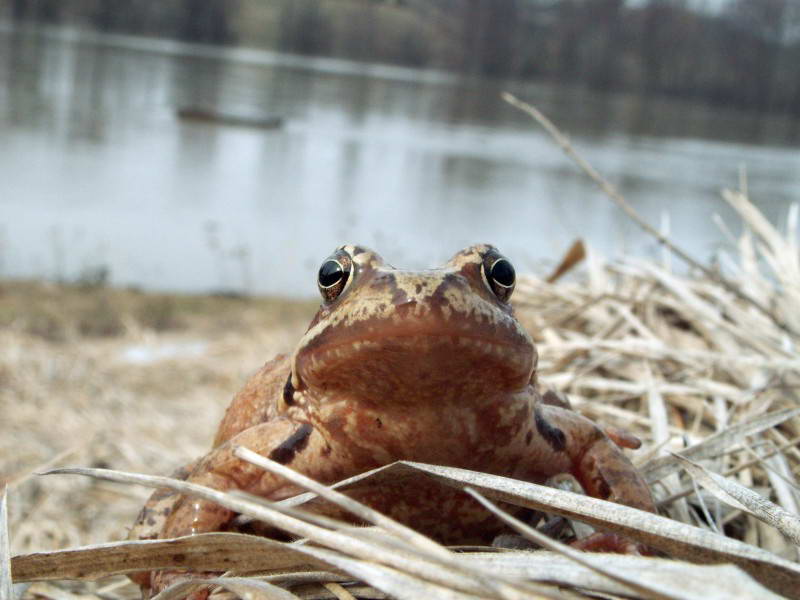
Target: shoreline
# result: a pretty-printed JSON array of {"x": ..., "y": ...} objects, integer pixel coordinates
[{"x": 56, "y": 312}]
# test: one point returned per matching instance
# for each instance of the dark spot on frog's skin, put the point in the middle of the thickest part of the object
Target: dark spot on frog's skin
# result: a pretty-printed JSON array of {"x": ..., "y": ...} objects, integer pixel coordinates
[
  {"x": 179, "y": 557},
  {"x": 292, "y": 445},
  {"x": 418, "y": 288},
  {"x": 151, "y": 521},
  {"x": 358, "y": 250},
  {"x": 528, "y": 438},
  {"x": 603, "y": 489},
  {"x": 552, "y": 435},
  {"x": 288, "y": 391},
  {"x": 378, "y": 422},
  {"x": 437, "y": 298},
  {"x": 399, "y": 297}
]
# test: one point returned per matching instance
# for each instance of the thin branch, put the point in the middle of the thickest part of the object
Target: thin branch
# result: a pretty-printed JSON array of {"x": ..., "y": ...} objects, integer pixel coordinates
[{"x": 620, "y": 201}]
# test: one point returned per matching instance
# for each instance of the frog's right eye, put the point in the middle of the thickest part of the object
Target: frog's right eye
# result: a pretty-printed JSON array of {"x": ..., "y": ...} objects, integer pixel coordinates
[{"x": 334, "y": 275}]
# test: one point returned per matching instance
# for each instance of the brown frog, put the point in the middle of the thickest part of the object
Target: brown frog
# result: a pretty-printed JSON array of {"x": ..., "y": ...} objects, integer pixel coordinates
[{"x": 428, "y": 366}]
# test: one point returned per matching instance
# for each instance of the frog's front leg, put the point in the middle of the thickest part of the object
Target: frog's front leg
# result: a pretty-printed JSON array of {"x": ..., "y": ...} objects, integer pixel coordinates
[
  {"x": 576, "y": 445},
  {"x": 297, "y": 445},
  {"x": 593, "y": 458}
]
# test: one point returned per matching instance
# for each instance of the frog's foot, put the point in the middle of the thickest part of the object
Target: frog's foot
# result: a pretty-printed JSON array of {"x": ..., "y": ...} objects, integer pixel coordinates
[{"x": 611, "y": 542}]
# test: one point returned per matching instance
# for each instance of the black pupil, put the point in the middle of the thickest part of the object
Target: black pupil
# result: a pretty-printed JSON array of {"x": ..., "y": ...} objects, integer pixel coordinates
[
  {"x": 503, "y": 272},
  {"x": 330, "y": 273}
]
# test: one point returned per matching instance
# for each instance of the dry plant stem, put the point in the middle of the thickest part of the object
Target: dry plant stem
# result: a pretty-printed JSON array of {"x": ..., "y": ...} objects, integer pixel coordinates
[
  {"x": 575, "y": 555},
  {"x": 620, "y": 201},
  {"x": 742, "y": 498},
  {"x": 732, "y": 471},
  {"x": 677, "y": 539},
  {"x": 424, "y": 544},
  {"x": 22, "y": 476},
  {"x": 339, "y": 591},
  {"x": 395, "y": 582},
  {"x": 714, "y": 444},
  {"x": 203, "y": 552},
  {"x": 5, "y": 551},
  {"x": 774, "y": 471},
  {"x": 415, "y": 563}
]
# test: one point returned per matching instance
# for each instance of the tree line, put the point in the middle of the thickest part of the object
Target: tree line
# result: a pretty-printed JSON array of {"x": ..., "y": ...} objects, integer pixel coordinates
[{"x": 743, "y": 53}]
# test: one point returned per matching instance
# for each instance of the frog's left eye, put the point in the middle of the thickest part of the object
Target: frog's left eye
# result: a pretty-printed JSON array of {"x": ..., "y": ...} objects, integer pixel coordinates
[
  {"x": 499, "y": 274},
  {"x": 334, "y": 275}
]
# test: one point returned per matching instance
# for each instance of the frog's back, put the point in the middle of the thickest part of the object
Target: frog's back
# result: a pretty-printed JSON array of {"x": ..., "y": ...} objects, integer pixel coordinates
[{"x": 257, "y": 401}]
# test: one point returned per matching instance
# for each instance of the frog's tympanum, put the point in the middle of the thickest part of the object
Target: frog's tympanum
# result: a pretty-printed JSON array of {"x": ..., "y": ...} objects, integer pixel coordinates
[{"x": 428, "y": 366}]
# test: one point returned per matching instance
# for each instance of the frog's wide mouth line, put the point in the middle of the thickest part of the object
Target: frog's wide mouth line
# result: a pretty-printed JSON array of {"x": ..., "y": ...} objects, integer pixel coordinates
[
  {"x": 415, "y": 342},
  {"x": 503, "y": 334}
]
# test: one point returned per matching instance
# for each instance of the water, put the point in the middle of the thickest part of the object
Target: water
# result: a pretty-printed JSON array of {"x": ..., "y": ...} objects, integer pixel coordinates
[{"x": 97, "y": 172}]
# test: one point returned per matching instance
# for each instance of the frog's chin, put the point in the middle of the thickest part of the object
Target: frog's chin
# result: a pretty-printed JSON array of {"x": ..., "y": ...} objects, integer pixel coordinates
[{"x": 419, "y": 367}]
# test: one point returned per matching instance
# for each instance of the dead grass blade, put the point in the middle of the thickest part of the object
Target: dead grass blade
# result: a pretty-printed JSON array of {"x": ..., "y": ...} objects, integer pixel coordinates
[
  {"x": 676, "y": 539},
  {"x": 430, "y": 549},
  {"x": 347, "y": 542},
  {"x": 725, "y": 581},
  {"x": 361, "y": 591},
  {"x": 716, "y": 444},
  {"x": 207, "y": 551},
  {"x": 5, "y": 551},
  {"x": 394, "y": 581},
  {"x": 648, "y": 582},
  {"x": 339, "y": 591},
  {"x": 740, "y": 497}
]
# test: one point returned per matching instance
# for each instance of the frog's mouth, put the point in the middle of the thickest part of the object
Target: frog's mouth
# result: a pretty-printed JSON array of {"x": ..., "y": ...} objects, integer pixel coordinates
[{"x": 412, "y": 364}]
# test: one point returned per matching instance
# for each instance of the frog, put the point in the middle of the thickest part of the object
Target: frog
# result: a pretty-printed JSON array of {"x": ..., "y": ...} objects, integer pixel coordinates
[{"x": 426, "y": 365}]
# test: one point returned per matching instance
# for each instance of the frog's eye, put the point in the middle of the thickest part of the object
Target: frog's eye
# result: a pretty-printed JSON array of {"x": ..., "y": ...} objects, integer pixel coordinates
[
  {"x": 499, "y": 274},
  {"x": 334, "y": 275}
]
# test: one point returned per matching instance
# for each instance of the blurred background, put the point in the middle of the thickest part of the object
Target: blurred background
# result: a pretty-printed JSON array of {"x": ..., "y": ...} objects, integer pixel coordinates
[{"x": 200, "y": 145}]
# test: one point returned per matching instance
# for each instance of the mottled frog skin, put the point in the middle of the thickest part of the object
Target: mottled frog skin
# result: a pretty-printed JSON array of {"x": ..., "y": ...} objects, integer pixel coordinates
[{"x": 424, "y": 365}]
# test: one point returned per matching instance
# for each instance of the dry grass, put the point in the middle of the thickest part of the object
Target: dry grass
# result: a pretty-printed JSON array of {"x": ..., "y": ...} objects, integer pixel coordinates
[{"x": 141, "y": 399}]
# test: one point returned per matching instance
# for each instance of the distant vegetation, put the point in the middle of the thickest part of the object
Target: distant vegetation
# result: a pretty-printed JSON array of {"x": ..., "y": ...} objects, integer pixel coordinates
[{"x": 736, "y": 52}]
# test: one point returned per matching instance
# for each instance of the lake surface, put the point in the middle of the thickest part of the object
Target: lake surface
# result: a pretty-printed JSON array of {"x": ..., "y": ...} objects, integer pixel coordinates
[{"x": 97, "y": 171}]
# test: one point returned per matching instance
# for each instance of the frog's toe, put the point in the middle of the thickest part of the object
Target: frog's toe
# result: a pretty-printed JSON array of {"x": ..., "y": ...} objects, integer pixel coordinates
[{"x": 612, "y": 542}]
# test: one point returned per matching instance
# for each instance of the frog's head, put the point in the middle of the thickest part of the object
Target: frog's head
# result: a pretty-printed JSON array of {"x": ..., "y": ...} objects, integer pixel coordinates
[{"x": 390, "y": 335}]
